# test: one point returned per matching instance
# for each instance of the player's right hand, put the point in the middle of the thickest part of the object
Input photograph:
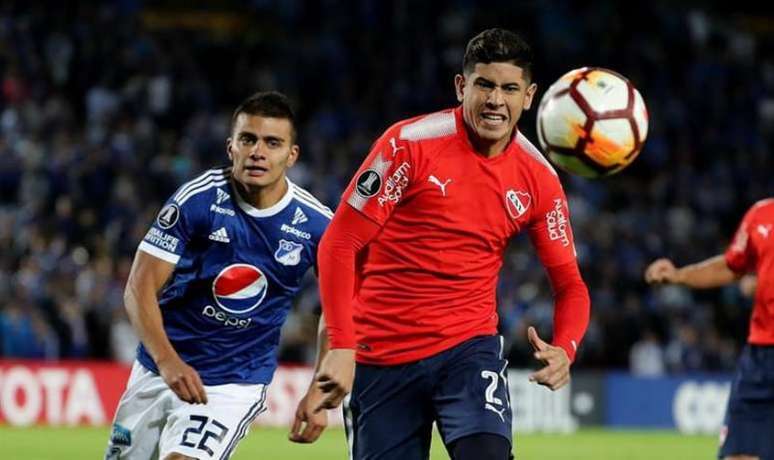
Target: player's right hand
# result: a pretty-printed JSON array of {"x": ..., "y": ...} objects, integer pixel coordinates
[
  {"x": 308, "y": 424},
  {"x": 556, "y": 372},
  {"x": 335, "y": 377},
  {"x": 661, "y": 271},
  {"x": 182, "y": 379}
]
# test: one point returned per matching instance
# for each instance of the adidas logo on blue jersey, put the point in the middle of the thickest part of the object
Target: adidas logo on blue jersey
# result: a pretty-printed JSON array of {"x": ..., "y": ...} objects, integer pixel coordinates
[
  {"x": 220, "y": 235},
  {"x": 222, "y": 196},
  {"x": 219, "y": 199},
  {"x": 299, "y": 217}
]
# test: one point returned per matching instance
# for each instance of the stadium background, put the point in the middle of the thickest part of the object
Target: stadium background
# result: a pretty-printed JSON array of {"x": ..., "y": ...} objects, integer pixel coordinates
[{"x": 105, "y": 108}]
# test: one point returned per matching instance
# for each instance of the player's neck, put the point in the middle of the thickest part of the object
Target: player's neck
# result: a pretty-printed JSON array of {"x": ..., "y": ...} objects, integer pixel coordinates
[
  {"x": 265, "y": 196},
  {"x": 486, "y": 148}
]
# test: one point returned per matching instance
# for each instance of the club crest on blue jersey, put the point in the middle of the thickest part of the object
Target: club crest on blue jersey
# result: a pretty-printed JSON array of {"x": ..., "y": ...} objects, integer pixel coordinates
[
  {"x": 288, "y": 253},
  {"x": 239, "y": 288}
]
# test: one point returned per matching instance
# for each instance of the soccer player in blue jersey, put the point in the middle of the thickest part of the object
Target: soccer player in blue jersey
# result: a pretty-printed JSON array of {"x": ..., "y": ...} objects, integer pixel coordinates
[{"x": 210, "y": 287}]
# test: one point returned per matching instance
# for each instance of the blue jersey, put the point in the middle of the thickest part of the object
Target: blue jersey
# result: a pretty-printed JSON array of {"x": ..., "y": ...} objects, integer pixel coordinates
[{"x": 237, "y": 271}]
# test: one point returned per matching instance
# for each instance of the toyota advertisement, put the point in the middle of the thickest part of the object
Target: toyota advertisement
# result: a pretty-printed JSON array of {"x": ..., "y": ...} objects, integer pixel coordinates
[{"x": 86, "y": 393}]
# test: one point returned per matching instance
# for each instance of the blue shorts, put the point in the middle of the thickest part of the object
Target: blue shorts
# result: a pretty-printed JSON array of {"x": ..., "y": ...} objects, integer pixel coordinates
[
  {"x": 464, "y": 390},
  {"x": 749, "y": 424}
]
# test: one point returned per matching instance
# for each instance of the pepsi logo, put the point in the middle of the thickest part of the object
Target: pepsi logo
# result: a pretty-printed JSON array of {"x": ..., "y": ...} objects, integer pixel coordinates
[{"x": 239, "y": 288}]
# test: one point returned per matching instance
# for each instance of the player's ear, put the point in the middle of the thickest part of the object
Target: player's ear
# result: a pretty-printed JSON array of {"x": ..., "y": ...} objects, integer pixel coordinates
[
  {"x": 228, "y": 149},
  {"x": 295, "y": 150},
  {"x": 459, "y": 86},
  {"x": 529, "y": 95}
]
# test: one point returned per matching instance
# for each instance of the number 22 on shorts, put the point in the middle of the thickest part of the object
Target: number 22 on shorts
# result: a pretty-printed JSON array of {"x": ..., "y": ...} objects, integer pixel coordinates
[{"x": 192, "y": 434}]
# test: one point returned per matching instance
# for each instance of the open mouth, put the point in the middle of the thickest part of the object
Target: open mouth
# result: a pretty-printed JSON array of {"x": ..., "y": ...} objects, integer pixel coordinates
[{"x": 493, "y": 119}]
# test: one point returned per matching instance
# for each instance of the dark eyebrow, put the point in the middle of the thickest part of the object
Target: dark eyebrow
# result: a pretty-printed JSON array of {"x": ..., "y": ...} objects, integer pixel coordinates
[
  {"x": 267, "y": 138},
  {"x": 274, "y": 138},
  {"x": 482, "y": 80}
]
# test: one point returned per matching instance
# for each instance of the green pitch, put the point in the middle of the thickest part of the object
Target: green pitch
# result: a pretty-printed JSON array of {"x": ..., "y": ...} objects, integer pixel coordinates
[{"x": 271, "y": 444}]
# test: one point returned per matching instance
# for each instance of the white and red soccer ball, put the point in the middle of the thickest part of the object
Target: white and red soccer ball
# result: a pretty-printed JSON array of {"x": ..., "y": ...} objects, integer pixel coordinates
[{"x": 592, "y": 122}]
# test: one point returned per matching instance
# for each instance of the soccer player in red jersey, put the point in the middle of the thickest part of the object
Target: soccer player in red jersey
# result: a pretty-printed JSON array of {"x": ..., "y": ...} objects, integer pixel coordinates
[
  {"x": 409, "y": 266},
  {"x": 747, "y": 432}
]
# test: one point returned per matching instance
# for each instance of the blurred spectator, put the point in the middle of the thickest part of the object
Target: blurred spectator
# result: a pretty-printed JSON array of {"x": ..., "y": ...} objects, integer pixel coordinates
[
  {"x": 25, "y": 334},
  {"x": 123, "y": 340},
  {"x": 684, "y": 353},
  {"x": 646, "y": 357}
]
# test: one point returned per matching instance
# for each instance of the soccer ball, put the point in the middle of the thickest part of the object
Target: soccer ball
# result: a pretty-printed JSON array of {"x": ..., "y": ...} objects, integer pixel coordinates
[{"x": 592, "y": 122}]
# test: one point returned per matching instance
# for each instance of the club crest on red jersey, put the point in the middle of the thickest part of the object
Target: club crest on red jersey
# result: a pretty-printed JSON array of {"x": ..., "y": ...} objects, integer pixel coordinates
[
  {"x": 517, "y": 202},
  {"x": 239, "y": 288}
]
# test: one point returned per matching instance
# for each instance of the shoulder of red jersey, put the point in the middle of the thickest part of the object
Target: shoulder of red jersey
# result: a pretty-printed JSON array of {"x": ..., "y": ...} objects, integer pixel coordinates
[
  {"x": 533, "y": 155},
  {"x": 764, "y": 203},
  {"x": 432, "y": 126}
]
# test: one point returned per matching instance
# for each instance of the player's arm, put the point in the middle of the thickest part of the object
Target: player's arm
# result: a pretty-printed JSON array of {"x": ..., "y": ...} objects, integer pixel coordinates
[
  {"x": 709, "y": 273},
  {"x": 348, "y": 233},
  {"x": 551, "y": 235},
  {"x": 322, "y": 343},
  {"x": 571, "y": 317},
  {"x": 365, "y": 207},
  {"x": 716, "y": 271},
  {"x": 309, "y": 424},
  {"x": 148, "y": 275}
]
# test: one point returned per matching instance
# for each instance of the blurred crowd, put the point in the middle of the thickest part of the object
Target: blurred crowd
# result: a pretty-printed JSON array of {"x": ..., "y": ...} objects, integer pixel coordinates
[{"x": 106, "y": 109}]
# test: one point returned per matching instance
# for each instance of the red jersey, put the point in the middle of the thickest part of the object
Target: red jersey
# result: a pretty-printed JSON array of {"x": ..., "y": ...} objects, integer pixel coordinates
[
  {"x": 752, "y": 250},
  {"x": 427, "y": 281}
]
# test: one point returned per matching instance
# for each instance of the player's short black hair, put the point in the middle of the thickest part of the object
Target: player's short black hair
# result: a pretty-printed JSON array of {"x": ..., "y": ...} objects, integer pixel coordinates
[
  {"x": 272, "y": 104},
  {"x": 498, "y": 45}
]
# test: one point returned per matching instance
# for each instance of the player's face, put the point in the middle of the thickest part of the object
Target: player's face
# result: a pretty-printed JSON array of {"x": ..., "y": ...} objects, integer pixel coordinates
[
  {"x": 493, "y": 97},
  {"x": 261, "y": 149}
]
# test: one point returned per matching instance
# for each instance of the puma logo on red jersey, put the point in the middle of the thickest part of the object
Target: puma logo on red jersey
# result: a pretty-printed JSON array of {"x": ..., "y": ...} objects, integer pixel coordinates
[
  {"x": 437, "y": 182},
  {"x": 394, "y": 145}
]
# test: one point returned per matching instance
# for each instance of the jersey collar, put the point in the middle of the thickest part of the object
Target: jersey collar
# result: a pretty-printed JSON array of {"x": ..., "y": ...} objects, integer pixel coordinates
[{"x": 271, "y": 210}]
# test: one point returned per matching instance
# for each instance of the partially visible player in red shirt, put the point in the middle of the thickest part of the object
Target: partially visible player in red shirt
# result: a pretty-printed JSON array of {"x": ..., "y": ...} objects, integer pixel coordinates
[
  {"x": 746, "y": 434},
  {"x": 409, "y": 267}
]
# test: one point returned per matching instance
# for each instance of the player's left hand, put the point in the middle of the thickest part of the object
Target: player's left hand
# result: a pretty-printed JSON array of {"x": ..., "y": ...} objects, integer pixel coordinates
[
  {"x": 556, "y": 372},
  {"x": 308, "y": 425}
]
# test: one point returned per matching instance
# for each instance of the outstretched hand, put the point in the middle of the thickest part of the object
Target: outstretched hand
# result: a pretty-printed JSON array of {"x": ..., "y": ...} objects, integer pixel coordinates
[
  {"x": 556, "y": 372},
  {"x": 661, "y": 271},
  {"x": 334, "y": 379}
]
